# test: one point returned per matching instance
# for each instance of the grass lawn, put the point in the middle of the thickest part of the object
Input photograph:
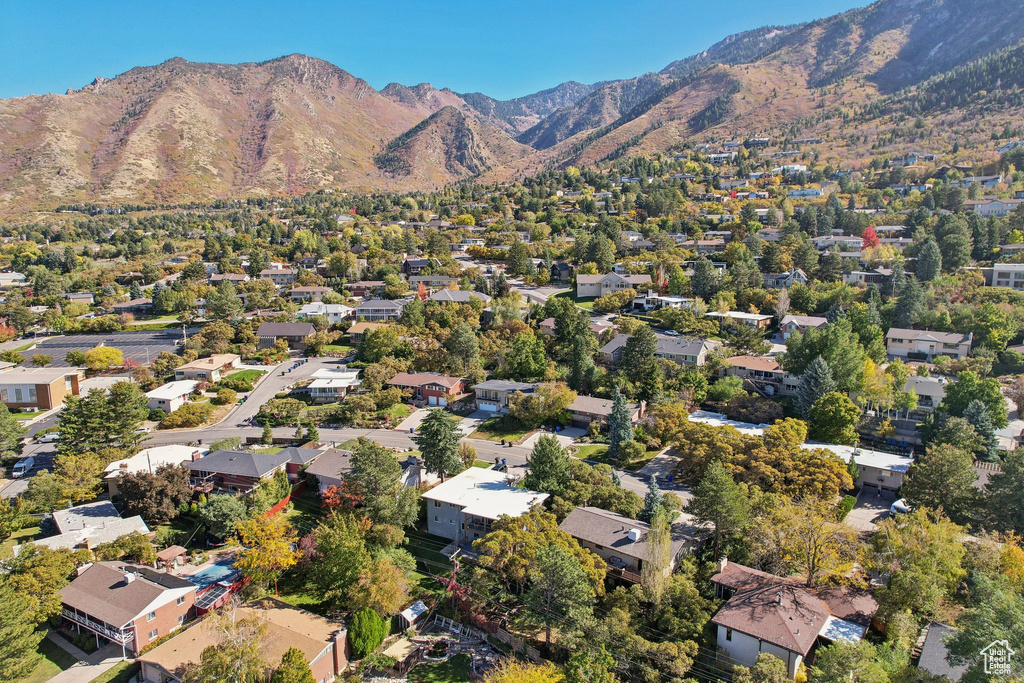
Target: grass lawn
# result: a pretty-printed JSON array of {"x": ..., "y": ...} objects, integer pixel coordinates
[
  {"x": 29, "y": 416},
  {"x": 454, "y": 670},
  {"x": 598, "y": 452},
  {"x": 55, "y": 660},
  {"x": 586, "y": 302},
  {"x": 20, "y": 536},
  {"x": 119, "y": 673},
  {"x": 482, "y": 463},
  {"x": 339, "y": 348},
  {"x": 184, "y": 527},
  {"x": 292, "y": 590},
  {"x": 270, "y": 450},
  {"x": 246, "y": 375},
  {"x": 494, "y": 429},
  {"x": 398, "y": 411}
]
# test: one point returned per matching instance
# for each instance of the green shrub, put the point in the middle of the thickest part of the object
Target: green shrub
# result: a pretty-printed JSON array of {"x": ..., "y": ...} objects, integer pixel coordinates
[
  {"x": 189, "y": 415},
  {"x": 236, "y": 384},
  {"x": 157, "y": 414},
  {"x": 366, "y": 632},
  {"x": 844, "y": 507},
  {"x": 225, "y": 397}
]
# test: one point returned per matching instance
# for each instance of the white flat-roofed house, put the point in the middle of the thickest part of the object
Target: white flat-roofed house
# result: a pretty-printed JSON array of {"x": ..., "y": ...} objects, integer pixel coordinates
[
  {"x": 331, "y": 386},
  {"x": 650, "y": 301},
  {"x": 150, "y": 460},
  {"x": 463, "y": 507},
  {"x": 1009, "y": 275},
  {"x": 927, "y": 344},
  {"x": 720, "y": 420},
  {"x": 89, "y": 525},
  {"x": 878, "y": 469},
  {"x": 171, "y": 396},
  {"x": 600, "y": 285},
  {"x": 738, "y": 318}
]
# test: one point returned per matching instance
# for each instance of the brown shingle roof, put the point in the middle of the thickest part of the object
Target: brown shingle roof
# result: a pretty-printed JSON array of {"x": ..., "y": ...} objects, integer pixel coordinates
[
  {"x": 101, "y": 591},
  {"x": 418, "y": 379},
  {"x": 779, "y": 613}
]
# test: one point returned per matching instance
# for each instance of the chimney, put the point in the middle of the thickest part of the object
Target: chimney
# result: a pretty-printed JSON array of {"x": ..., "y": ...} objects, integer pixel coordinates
[
  {"x": 81, "y": 570},
  {"x": 196, "y": 455},
  {"x": 634, "y": 535},
  {"x": 129, "y": 577},
  {"x": 778, "y": 598},
  {"x": 340, "y": 638},
  {"x": 723, "y": 562}
]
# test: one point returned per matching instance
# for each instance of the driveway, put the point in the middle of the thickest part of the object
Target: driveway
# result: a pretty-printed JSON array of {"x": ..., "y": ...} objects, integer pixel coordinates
[
  {"x": 411, "y": 423},
  {"x": 472, "y": 422},
  {"x": 88, "y": 667},
  {"x": 872, "y": 507}
]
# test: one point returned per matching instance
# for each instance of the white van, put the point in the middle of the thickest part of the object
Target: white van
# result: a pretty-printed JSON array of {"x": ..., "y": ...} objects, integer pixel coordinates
[
  {"x": 48, "y": 437},
  {"x": 23, "y": 467}
]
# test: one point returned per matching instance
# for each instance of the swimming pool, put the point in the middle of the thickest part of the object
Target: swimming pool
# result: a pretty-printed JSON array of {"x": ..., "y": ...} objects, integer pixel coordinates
[{"x": 222, "y": 570}]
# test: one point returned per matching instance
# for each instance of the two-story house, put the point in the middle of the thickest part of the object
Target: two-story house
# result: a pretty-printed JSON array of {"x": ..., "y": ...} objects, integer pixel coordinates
[
  {"x": 431, "y": 387},
  {"x": 927, "y": 344},
  {"x": 281, "y": 277},
  {"x": 415, "y": 266},
  {"x": 380, "y": 310},
  {"x": 800, "y": 323},
  {"x": 311, "y": 293},
  {"x": 600, "y": 285},
  {"x": 492, "y": 395},
  {"x": 686, "y": 351}
]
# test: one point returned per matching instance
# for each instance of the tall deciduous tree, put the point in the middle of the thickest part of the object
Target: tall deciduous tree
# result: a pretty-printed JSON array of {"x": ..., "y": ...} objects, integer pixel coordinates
[
  {"x": 155, "y": 496},
  {"x": 236, "y": 657},
  {"x": 833, "y": 419},
  {"x": 294, "y": 668},
  {"x": 1003, "y": 494},
  {"x": 267, "y": 548},
  {"x": 438, "y": 441},
  {"x": 943, "y": 477}
]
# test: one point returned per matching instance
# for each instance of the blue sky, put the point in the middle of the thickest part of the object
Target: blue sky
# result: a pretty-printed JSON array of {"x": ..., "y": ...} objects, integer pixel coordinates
[{"x": 500, "y": 48}]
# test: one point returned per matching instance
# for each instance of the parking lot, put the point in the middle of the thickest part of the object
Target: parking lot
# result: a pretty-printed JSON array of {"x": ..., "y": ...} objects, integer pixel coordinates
[{"x": 140, "y": 347}]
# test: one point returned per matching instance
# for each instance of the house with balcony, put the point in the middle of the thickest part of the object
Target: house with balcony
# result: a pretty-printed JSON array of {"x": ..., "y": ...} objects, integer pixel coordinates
[
  {"x": 800, "y": 323},
  {"x": 786, "y": 279},
  {"x": 458, "y": 296},
  {"x": 331, "y": 385},
  {"x": 308, "y": 294},
  {"x": 492, "y": 396},
  {"x": 737, "y": 319},
  {"x": 463, "y": 508},
  {"x": 364, "y": 288},
  {"x": 234, "y": 278},
  {"x": 763, "y": 374},
  {"x": 686, "y": 351},
  {"x": 878, "y": 470},
  {"x": 1009, "y": 275},
  {"x": 323, "y": 642},
  {"x": 623, "y": 543},
  {"x": 281, "y": 277},
  {"x": 380, "y": 310},
  {"x": 927, "y": 344},
  {"x": 126, "y": 604},
  {"x": 149, "y": 460},
  {"x": 877, "y": 276},
  {"x": 210, "y": 369},
  {"x": 335, "y": 313},
  {"x": 600, "y": 285},
  {"x": 651, "y": 301}
]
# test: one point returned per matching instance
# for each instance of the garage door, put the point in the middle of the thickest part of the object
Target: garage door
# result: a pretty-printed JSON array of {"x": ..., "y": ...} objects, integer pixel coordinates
[
  {"x": 437, "y": 401},
  {"x": 488, "y": 407}
]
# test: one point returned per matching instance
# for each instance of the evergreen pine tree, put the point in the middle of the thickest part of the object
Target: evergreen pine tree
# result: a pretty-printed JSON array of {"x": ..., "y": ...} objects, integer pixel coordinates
[
  {"x": 929, "y": 262},
  {"x": 549, "y": 467},
  {"x": 312, "y": 433},
  {"x": 835, "y": 312},
  {"x": 908, "y": 305},
  {"x": 816, "y": 381},
  {"x": 704, "y": 280},
  {"x": 438, "y": 442},
  {"x": 581, "y": 366},
  {"x": 268, "y": 436},
  {"x": 977, "y": 414},
  {"x": 652, "y": 501},
  {"x": 620, "y": 427}
]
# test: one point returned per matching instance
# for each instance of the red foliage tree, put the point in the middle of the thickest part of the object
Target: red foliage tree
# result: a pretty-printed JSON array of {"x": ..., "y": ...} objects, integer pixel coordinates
[
  {"x": 870, "y": 238},
  {"x": 421, "y": 292},
  {"x": 341, "y": 497}
]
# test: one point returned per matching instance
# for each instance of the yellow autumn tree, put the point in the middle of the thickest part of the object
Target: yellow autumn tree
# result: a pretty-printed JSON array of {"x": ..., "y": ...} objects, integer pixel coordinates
[{"x": 267, "y": 549}]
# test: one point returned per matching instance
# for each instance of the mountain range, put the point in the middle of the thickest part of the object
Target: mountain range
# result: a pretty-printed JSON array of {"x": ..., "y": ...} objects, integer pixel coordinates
[{"x": 182, "y": 131}]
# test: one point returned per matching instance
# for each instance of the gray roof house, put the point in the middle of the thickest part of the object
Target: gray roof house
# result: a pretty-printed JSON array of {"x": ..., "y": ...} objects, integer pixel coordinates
[
  {"x": 293, "y": 333},
  {"x": 458, "y": 296},
  {"x": 241, "y": 471},
  {"x": 934, "y": 651},
  {"x": 380, "y": 310},
  {"x": 682, "y": 350},
  {"x": 492, "y": 396}
]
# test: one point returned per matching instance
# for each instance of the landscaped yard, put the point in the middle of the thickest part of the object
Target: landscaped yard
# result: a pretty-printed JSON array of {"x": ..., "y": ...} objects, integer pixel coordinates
[
  {"x": 482, "y": 464},
  {"x": 55, "y": 659},
  {"x": 495, "y": 429},
  {"x": 455, "y": 670},
  {"x": 29, "y": 416},
  {"x": 18, "y": 537},
  {"x": 586, "y": 302},
  {"x": 119, "y": 673},
  {"x": 598, "y": 452},
  {"x": 339, "y": 348},
  {"x": 246, "y": 375},
  {"x": 269, "y": 450},
  {"x": 398, "y": 411}
]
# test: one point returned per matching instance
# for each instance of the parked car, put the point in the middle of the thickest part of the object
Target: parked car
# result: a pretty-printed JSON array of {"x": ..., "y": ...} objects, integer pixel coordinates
[{"x": 49, "y": 437}]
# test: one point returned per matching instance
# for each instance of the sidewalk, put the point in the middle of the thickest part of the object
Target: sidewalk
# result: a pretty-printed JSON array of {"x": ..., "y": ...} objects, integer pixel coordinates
[{"x": 88, "y": 667}]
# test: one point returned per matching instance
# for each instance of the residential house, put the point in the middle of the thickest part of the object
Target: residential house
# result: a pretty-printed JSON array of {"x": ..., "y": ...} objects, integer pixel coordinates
[
  {"x": 547, "y": 327},
  {"x": 458, "y": 296},
  {"x": 685, "y": 351},
  {"x": 736, "y": 319},
  {"x": 431, "y": 387},
  {"x": 707, "y": 247},
  {"x": 171, "y": 396},
  {"x": 800, "y": 323},
  {"x": 721, "y": 420},
  {"x": 587, "y": 409},
  {"x": 11, "y": 279},
  {"x": 770, "y": 614},
  {"x": 785, "y": 280},
  {"x": 380, "y": 310},
  {"x": 281, "y": 277},
  {"x": 992, "y": 206},
  {"x": 763, "y": 374},
  {"x": 149, "y": 460},
  {"x": 24, "y": 388},
  {"x": 359, "y": 330},
  {"x": 322, "y": 642},
  {"x": 135, "y": 307},
  {"x": 463, "y": 508},
  {"x": 432, "y": 281},
  {"x": 878, "y": 470},
  {"x": 650, "y": 301},
  {"x": 335, "y": 313},
  {"x": 301, "y": 294},
  {"x": 878, "y": 276},
  {"x": 600, "y": 285},
  {"x": 930, "y": 391},
  {"x": 293, "y": 333},
  {"x": 89, "y": 525},
  {"x": 561, "y": 272},
  {"x": 415, "y": 266},
  {"x": 623, "y": 543},
  {"x": 335, "y": 464},
  {"x": 1010, "y": 275},
  {"x": 988, "y": 181},
  {"x": 492, "y": 396},
  {"x": 210, "y": 369},
  {"x": 364, "y": 288},
  {"x": 126, "y": 604},
  {"x": 80, "y": 297},
  {"x": 843, "y": 242},
  {"x": 927, "y": 344},
  {"x": 331, "y": 385},
  {"x": 234, "y": 278},
  {"x": 805, "y": 193},
  {"x": 242, "y": 471}
]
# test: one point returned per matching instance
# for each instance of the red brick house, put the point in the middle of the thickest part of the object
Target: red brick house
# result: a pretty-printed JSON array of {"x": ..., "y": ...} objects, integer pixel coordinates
[
  {"x": 241, "y": 471},
  {"x": 126, "y": 604},
  {"x": 430, "y": 387}
]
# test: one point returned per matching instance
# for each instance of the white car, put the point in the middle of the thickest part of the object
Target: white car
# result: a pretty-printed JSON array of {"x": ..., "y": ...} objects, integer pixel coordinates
[
  {"x": 143, "y": 430},
  {"x": 671, "y": 333},
  {"x": 48, "y": 438},
  {"x": 900, "y": 506}
]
